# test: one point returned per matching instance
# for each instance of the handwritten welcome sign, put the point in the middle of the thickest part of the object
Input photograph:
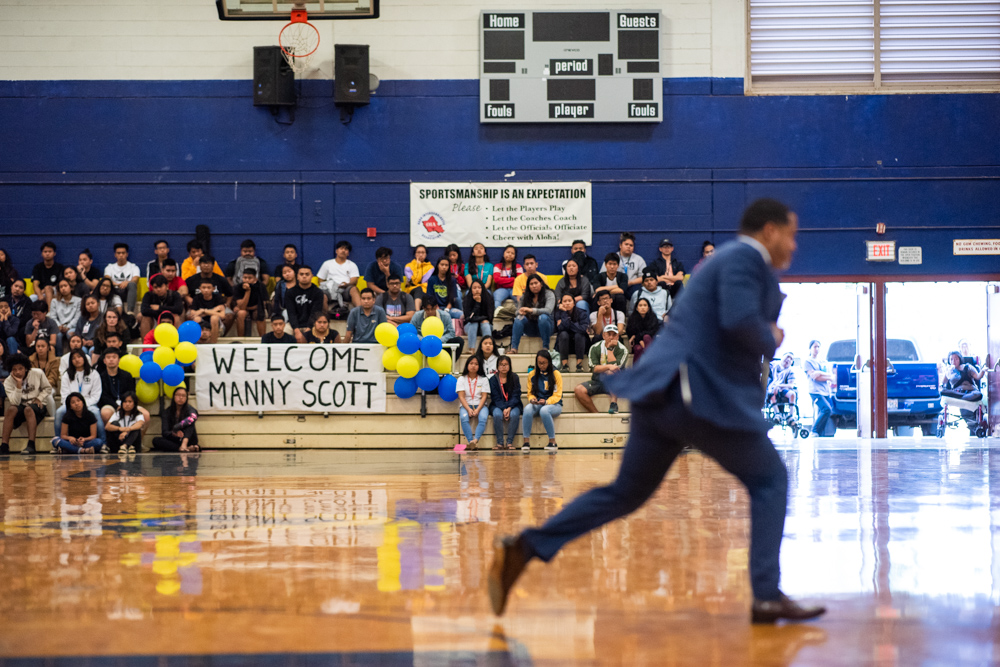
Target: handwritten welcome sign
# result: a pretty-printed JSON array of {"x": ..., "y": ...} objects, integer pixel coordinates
[{"x": 295, "y": 378}]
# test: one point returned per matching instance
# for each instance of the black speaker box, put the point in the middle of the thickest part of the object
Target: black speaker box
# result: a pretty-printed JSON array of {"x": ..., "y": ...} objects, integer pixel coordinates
[
  {"x": 350, "y": 84},
  {"x": 273, "y": 79}
]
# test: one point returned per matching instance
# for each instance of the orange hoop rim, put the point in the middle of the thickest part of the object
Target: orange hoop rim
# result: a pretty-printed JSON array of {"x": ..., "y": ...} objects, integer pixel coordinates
[{"x": 298, "y": 20}]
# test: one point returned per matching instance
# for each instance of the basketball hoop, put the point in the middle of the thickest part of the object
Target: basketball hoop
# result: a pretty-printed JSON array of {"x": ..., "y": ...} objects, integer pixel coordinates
[{"x": 299, "y": 39}]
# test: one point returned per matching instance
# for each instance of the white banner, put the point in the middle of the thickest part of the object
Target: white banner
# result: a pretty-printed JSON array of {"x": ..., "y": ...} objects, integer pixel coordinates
[
  {"x": 297, "y": 378},
  {"x": 497, "y": 214}
]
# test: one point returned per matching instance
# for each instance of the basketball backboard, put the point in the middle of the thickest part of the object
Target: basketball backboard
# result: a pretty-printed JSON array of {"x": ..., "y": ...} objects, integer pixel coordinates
[{"x": 281, "y": 10}]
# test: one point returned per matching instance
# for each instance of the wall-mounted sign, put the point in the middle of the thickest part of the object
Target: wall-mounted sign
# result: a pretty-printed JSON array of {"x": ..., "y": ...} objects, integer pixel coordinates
[
  {"x": 976, "y": 246},
  {"x": 911, "y": 255},
  {"x": 881, "y": 251}
]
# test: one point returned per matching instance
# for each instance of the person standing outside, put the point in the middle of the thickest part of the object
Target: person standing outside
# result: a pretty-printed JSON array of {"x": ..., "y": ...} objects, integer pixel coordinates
[
  {"x": 698, "y": 384},
  {"x": 338, "y": 277},
  {"x": 820, "y": 383}
]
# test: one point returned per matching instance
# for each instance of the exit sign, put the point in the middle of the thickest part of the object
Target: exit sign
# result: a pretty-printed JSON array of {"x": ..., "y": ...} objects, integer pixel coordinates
[{"x": 881, "y": 251}]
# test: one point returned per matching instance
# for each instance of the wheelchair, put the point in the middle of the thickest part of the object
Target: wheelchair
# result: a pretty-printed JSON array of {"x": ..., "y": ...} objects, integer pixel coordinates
[
  {"x": 785, "y": 414},
  {"x": 970, "y": 413}
]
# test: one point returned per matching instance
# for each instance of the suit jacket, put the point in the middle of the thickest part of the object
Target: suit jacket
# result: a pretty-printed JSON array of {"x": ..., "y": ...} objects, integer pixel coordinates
[{"x": 720, "y": 331}]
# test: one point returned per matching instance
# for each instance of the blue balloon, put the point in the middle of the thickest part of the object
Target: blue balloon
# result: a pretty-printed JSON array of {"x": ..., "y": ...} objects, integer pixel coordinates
[
  {"x": 446, "y": 388},
  {"x": 150, "y": 372},
  {"x": 173, "y": 375},
  {"x": 405, "y": 387},
  {"x": 427, "y": 379},
  {"x": 146, "y": 356},
  {"x": 430, "y": 346},
  {"x": 408, "y": 343},
  {"x": 407, "y": 328},
  {"x": 189, "y": 332}
]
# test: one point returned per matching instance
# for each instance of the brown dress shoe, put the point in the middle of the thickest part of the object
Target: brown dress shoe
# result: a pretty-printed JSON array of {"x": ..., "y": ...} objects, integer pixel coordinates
[
  {"x": 509, "y": 561},
  {"x": 769, "y": 611}
]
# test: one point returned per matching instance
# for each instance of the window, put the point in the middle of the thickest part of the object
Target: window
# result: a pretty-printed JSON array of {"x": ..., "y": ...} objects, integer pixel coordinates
[{"x": 874, "y": 45}]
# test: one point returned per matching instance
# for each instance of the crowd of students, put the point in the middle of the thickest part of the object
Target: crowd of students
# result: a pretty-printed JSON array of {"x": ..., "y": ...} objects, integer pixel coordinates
[{"x": 79, "y": 319}]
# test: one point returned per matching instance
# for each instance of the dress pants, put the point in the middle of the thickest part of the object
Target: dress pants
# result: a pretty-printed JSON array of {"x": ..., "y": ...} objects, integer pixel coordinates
[{"x": 660, "y": 430}]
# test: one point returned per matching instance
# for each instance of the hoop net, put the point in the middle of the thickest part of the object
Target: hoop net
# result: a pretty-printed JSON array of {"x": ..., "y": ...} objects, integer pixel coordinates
[{"x": 298, "y": 40}]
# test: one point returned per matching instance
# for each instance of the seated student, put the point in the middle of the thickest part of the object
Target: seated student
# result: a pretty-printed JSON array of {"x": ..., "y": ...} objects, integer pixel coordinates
[
  {"x": 473, "y": 388},
  {"x": 20, "y": 307},
  {"x": 179, "y": 434},
  {"x": 303, "y": 303},
  {"x": 669, "y": 270},
  {"x": 46, "y": 273},
  {"x": 9, "y": 326},
  {"x": 174, "y": 282},
  {"x": 166, "y": 317},
  {"x": 442, "y": 289},
  {"x": 8, "y": 274},
  {"x": 207, "y": 308},
  {"x": 77, "y": 287},
  {"x": 115, "y": 383},
  {"x": 338, "y": 278},
  {"x": 27, "y": 392},
  {"x": 505, "y": 272},
  {"x": 781, "y": 387},
  {"x": 126, "y": 426},
  {"x": 362, "y": 321},
  {"x": 64, "y": 310},
  {"x": 106, "y": 297},
  {"x": 589, "y": 267},
  {"x": 77, "y": 429},
  {"x": 112, "y": 324},
  {"x": 379, "y": 271},
  {"x": 534, "y": 316},
  {"x": 90, "y": 320},
  {"x": 430, "y": 309},
  {"x": 191, "y": 264},
  {"x": 287, "y": 280},
  {"x": 321, "y": 331},
  {"x": 488, "y": 356},
  {"x": 576, "y": 285},
  {"x": 454, "y": 255},
  {"x": 630, "y": 263},
  {"x": 477, "y": 309},
  {"x": 277, "y": 333},
  {"x": 84, "y": 381},
  {"x": 606, "y": 314},
  {"x": 75, "y": 343},
  {"x": 250, "y": 302},
  {"x": 399, "y": 306},
  {"x": 44, "y": 358},
  {"x": 505, "y": 392},
  {"x": 40, "y": 325},
  {"x": 417, "y": 272},
  {"x": 289, "y": 257},
  {"x": 530, "y": 269},
  {"x": 571, "y": 327},
  {"x": 219, "y": 285},
  {"x": 87, "y": 272},
  {"x": 480, "y": 267},
  {"x": 159, "y": 299},
  {"x": 248, "y": 259},
  {"x": 162, "y": 251},
  {"x": 607, "y": 356},
  {"x": 112, "y": 341},
  {"x": 612, "y": 281},
  {"x": 4, "y": 353},
  {"x": 125, "y": 276},
  {"x": 658, "y": 297},
  {"x": 641, "y": 329},
  {"x": 544, "y": 400}
]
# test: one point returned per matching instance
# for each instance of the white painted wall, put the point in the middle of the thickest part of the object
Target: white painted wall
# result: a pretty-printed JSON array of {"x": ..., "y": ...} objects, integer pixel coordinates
[{"x": 414, "y": 39}]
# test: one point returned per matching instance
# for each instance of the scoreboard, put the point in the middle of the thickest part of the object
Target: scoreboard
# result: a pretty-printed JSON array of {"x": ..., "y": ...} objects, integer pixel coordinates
[{"x": 570, "y": 66}]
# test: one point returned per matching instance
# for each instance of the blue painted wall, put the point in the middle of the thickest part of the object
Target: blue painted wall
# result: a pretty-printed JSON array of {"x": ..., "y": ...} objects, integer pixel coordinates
[{"x": 87, "y": 163}]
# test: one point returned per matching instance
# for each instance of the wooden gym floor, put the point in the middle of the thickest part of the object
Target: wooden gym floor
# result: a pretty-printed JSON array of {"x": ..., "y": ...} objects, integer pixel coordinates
[{"x": 330, "y": 557}]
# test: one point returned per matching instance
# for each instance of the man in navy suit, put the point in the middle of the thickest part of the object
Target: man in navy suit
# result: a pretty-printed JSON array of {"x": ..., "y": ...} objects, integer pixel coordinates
[{"x": 698, "y": 384}]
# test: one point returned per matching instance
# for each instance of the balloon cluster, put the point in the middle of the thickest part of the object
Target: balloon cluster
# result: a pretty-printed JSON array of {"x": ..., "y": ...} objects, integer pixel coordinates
[
  {"x": 166, "y": 363},
  {"x": 405, "y": 352}
]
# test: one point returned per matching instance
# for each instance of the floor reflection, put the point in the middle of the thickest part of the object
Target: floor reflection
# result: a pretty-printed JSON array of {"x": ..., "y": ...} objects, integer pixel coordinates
[{"x": 381, "y": 557}]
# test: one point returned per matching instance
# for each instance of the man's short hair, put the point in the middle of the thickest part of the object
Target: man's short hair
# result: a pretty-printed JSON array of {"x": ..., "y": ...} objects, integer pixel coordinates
[
  {"x": 159, "y": 241},
  {"x": 121, "y": 245},
  {"x": 383, "y": 252},
  {"x": 612, "y": 257},
  {"x": 368, "y": 290},
  {"x": 206, "y": 281},
  {"x": 527, "y": 257},
  {"x": 169, "y": 262},
  {"x": 17, "y": 359},
  {"x": 626, "y": 236},
  {"x": 39, "y": 306},
  {"x": 393, "y": 276},
  {"x": 194, "y": 243},
  {"x": 157, "y": 281},
  {"x": 111, "y": 350},
  {"x": 250, "y": 271},
  {"x": 47, "y": 244},
  {"x": 603, "y": 294},
  {"x": 344, "y": 244},
  {"x": 761, "y": 212},
  {"x": 112, "y": 334},
  {"x": 86, "y": 251},
  {"x": 290, "y": 245},
  {"x": 248, "y": 243},
  {"x": 303, "y": 266},
  {"x": 277, "y": 316},
  {"x": 578, "y": 241},
  {"x": 207, "y": 259}
]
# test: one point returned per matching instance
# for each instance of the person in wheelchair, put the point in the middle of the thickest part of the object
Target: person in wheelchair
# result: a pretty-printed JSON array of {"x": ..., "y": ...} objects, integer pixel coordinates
[
  {"x": 961, "y": 381},
  {"x": 782, "y": 396}
]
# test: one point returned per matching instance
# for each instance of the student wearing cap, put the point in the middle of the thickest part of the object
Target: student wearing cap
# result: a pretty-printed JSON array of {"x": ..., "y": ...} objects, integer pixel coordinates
[
  {"x": 606, "y": 356},
  {"x": 651, "y": 290},
  {"x": 669, "y": 270}
]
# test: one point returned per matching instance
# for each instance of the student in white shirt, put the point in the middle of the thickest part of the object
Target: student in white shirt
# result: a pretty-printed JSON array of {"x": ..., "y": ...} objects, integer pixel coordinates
[
  {"x": 473, "y": 388},
  {"x": 125, "y": 276},
  {"x": 125, "y": 427},
  {"x": 338, "y": 277},
  {"x": 80, "y": 378}
]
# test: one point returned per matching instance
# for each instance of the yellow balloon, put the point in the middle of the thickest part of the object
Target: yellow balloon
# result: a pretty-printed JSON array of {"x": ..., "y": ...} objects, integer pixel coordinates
[
  {"x": 432, "y": 326},
  {"x": 146, "y": 392},
  {"x": 168, "y": 391},
  {"x": 185, "y": 352},
  {"x": 391, "y": 357},
  {"x": 419, "y": 356},
  {"x": 441, "y": 363},
  {"x": 166, "y": 334},
  {"x": 163, "y": 356},
  {"x": 386, "y": 334},
  {"x": 130, "y": 364},
  {"x": 408, "y": 367}
]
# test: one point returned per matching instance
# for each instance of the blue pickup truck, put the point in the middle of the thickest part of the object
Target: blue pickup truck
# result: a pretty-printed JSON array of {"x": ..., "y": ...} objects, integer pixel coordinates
[{"x": 914, "y": 394}]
